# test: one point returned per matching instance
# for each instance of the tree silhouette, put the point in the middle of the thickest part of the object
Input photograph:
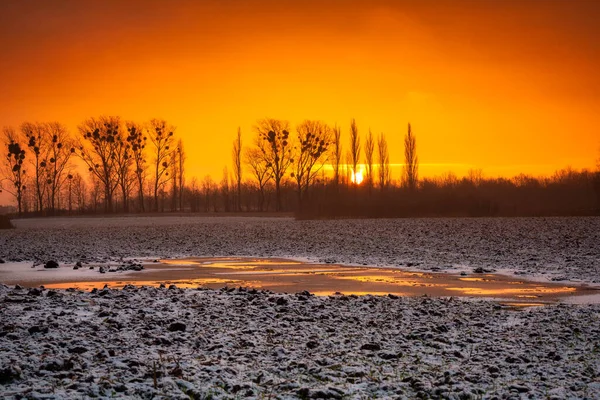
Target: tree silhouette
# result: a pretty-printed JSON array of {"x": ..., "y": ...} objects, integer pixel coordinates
[
  {"x": 70, "y": 192},
  {"x": 60, "y": 149},
  {"x": 14, "y": 166},
  {"x": 411, "y": 161},
  {"x": 137, "y": 140},
  {"x": 124, "y": 162},
  {"x": 208, "y": 189},
  {"x": 36, "y": 141},
  {"x": 80, "y": 191},
  {"x": 354, "y": 147},
  {"x": 98, "y": 147},
  {"x": 337, "y": 154},
  {"x": 118, "y": 158},
  {"x": 275, "y": 145},
  {"x": 597, "y": 184},
  {"x": 314, "y": 140},
  {"x": 383, "y": 160},
  {"x": 369, "y": 149},
  {"x": 174, "y": 178},
  {"x": 225, "y": 190},
  {"x": 255, "y": 160},
  {"x": 181, "y": 157},
  {"x": 236, "y": 155},
  {"x": 177, "y": 176},
  {"x": 161, "y": 136}
]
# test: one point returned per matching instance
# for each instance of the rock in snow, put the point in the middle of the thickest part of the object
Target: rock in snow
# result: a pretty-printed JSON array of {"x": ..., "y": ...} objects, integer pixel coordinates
[{"x": 51, "y": 264}]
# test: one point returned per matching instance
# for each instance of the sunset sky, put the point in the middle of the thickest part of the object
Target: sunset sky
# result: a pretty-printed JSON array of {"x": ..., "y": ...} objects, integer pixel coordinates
[{"x": 505, "y": 86}]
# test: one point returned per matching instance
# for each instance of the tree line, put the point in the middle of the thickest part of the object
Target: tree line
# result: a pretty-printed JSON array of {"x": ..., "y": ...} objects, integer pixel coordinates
[
  {"x": 130, "y": 166},
  {"x": 306, "y": 169}
]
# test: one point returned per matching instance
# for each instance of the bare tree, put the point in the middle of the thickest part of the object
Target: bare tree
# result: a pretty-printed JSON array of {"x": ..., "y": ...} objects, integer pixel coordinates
[
  {"x": 28, "y": 200},
  {"x": 194, "y": 195},
  {"x": 98, "y": 148},
  {"x": 237, "y": 167},
  {"x": 14, "y": 170},
  {"x": 369, "y": 149},
  {"x": 137, "y": 140},
  {"x": 475, "y": 176},
  {"x": 36, "y": 141},
  {"x": 174, "y": 180},
  {"x": 225, "y": 190},
  {"x": 177, "y": 176},
  {"x": 260, "y": 170},
  {"x": 80, "y": 191},
  {"x": 124, "y": 165},
  {"x": 181, "y": 167},
  {"x": 275, "y": 145},
  {"x": 161, "y": 137},
  {"x": 95, "y": 193},
  {"x": 597, "y": 182},
  {"x": 348, "y": 175},
  {"x": 411, "y": 161},
  {"x": 314, "y": 140},
  {"x": 207, "y": 188},
  {"x": 70, "y": 192},
  {"x": 60, "y": 149},
  {"x": 354, "y": 147},
  {"x": 383, "y": 161},
  {"x": 337, "y": 154}
]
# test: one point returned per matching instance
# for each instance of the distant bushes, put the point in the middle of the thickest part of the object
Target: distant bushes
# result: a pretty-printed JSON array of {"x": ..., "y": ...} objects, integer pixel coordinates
[
  {"x": 567, "y": 193},
  {"x": 5, "y": 222}
]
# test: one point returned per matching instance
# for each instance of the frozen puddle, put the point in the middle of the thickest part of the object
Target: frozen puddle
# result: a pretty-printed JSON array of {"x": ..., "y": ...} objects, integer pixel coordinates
[{"x": 280, "y": 275}]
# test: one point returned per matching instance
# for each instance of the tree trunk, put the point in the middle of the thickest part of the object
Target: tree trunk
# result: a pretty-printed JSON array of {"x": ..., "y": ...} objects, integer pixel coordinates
[{"x": 277, "y": 196}]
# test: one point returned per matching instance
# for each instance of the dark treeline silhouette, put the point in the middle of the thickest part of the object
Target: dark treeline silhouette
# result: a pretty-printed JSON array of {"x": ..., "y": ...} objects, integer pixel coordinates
[
  {"x": 566, "y": 193},
  {"x": 140, "y": 167}
]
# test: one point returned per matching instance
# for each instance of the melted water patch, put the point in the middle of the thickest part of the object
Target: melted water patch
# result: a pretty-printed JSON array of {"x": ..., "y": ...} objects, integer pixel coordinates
[{"x": 290, "y": 276}]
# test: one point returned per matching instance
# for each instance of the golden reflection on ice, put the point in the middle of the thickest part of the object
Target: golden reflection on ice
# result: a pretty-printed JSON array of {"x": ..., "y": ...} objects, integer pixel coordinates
[
  {"x": 392, "y": 280},
  {"x": 517, "y": 304},
  {"x": 289, "y": 276},
  {"x": 473, "y": 279},
  {"x": 229, "y": 263},
  {"x": 512, "y": 291},
  {"x": 356, "y": 293},
  {"x": 282, "y": 272},
  {"x": 183, "y": 283}
]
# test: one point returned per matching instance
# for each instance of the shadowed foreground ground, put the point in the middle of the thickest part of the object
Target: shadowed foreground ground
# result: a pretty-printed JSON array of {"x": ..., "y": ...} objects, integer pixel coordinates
[{"x": 176, "y": 343}]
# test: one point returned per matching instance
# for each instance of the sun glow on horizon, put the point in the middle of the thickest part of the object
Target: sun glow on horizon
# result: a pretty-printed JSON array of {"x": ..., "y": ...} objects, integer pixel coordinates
[{"x": 357, "y": 177}]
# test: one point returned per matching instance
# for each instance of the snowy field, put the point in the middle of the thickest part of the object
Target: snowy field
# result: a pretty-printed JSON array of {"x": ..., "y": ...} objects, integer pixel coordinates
[
  {"x": 546, "y": 248},
  {"x": 201, "y": 344},
  {"x": 182, "y": 344}
]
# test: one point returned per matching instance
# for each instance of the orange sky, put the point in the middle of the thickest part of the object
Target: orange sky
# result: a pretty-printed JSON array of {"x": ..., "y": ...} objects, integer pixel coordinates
[{"x": 505, "y": 86}]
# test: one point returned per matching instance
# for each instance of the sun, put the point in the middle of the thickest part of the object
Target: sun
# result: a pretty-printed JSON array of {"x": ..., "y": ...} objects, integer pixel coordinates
[{"x": 357, "y": 177}]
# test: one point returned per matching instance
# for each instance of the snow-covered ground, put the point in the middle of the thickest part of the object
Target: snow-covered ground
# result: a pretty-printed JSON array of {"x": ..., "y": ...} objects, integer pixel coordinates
[
  {"x": 174, "y": 343},
  {"x": 539, "y": 248}
]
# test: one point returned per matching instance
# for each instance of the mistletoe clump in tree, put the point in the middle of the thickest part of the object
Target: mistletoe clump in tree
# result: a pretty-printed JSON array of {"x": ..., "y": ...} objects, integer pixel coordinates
[
  {"x": 162, "y": 137},
  {"x": 137, "y": 140},
  {"x": 99, "y": 147},
  {"x": 273, "y": 141},
  {"x": 314, "y": 139},
  {"x": 15, "y": 173}
]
